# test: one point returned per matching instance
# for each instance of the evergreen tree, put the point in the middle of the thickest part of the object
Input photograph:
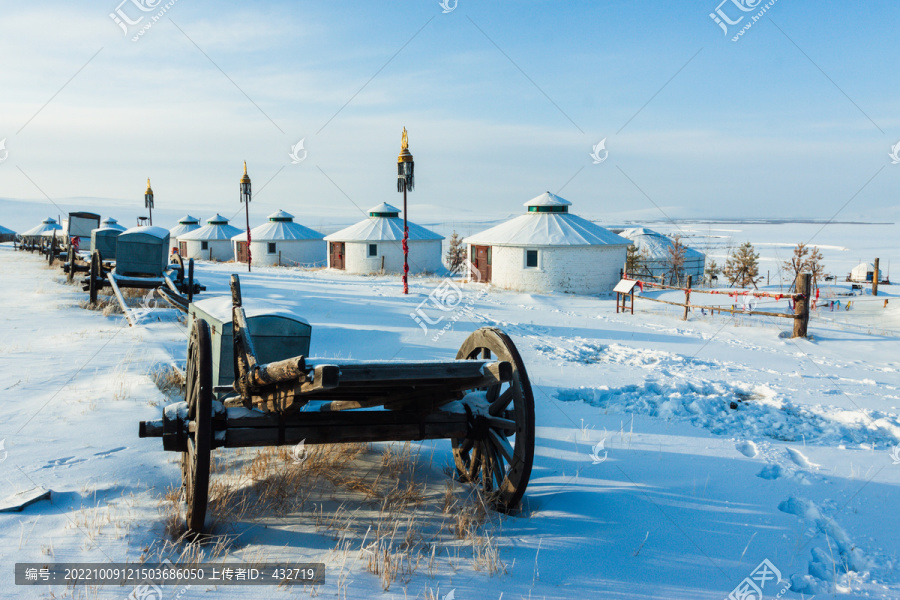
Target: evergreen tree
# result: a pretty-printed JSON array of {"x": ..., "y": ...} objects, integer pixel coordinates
[
  {"x": 742, "y": 267},
  {"x": 712, "y": 271},
  {"x": 456, "y": 254},
  {"x": 633, "y": 261}
]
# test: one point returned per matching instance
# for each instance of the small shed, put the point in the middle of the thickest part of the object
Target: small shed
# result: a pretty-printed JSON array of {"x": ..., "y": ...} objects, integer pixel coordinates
[
  {"x": 110, "y": 223},
  {"x": 212, "y": 241},
  {"x": 281, "y": 242},
  {"x": 142, "y": 252},
  {"x": 185, "y": 224},
  {"x": 278, "y": 332},
  {"x": 104, "y": 240},
  {"x": 548, "y": 249},
  {"x": 656, "y": 258},
  {"x": 862, "y": 273},
  {"x": 7, "y": 235},
  {"x": 376, "y": 244}
]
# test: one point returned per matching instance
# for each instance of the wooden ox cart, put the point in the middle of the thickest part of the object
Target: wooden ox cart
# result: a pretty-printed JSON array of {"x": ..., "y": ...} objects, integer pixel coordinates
[
  {"x": 482, "y": 402},
  {"x": 141, "y": 262}
]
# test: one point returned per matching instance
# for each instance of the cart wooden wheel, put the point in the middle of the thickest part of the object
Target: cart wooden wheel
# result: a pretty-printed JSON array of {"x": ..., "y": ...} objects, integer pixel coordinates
[
  {"x": 70, "y": 276},
  {"x": 52, "y": 253},
  {"x": 198, "y": 395},
  {"x": 502, "y": 459},
  {"x": 94, "y": 275}
]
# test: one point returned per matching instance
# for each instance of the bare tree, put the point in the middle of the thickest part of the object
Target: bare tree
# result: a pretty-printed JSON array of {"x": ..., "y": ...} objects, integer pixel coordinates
[
  {"x": 676, "y": 260},
  {"x": 815, "y": 267}
]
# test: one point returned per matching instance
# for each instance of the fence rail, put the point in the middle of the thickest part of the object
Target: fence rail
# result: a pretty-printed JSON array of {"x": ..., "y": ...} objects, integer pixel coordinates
[{"x": 801, "y": 300}]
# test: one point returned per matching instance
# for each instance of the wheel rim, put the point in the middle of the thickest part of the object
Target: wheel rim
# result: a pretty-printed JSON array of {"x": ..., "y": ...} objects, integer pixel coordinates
[
  {"x": 501, "y": 462},
  {"x": 195, "y": 460}
]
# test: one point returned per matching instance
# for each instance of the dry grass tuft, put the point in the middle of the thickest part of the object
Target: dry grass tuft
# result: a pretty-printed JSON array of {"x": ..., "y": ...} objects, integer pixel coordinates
[{"x": 378, "y": 507}]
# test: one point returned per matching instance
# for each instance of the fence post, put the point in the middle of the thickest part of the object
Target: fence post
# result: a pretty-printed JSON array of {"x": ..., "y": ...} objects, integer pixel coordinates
[
  {"x": 801, "y": 306},
  {"x": 687, "y": 296},
  {"x": 875, "y": 279}
]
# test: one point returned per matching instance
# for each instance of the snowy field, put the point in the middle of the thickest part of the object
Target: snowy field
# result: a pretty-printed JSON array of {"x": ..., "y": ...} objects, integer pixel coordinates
[{"x": 684, "y": 498}]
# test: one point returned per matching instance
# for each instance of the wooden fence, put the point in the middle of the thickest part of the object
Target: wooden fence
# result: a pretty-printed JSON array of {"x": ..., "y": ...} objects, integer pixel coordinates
[{"x": 801, "y": 300}]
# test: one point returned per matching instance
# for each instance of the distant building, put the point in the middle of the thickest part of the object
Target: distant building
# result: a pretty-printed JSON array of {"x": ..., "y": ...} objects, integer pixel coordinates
[
  {"x": 212, "y": 241},
  {"x": 656, "y": 258},
  {"x": 862, "y": 273},
  {"x": 185, "y": 224},
  {"x": 110, "y": 223},
  {"x": 548, "y": 249},
  {"x": 281, "y": 242},
  {"x": 375, "y": 244},
  {"x": 7, "y": 235},
  {"x": 48, "y": 224}
]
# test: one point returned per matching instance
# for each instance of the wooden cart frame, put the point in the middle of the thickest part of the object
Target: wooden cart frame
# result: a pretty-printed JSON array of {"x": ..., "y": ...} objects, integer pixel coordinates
[{"x": 481, "y": 401}]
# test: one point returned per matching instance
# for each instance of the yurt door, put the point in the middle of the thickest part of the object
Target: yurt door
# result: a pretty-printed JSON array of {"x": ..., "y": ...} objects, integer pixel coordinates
[
  {"x": 483, "y": 262},
  {"x": 242, "y": 252},
  {"x": 182, "y": 248},
  {"x": 337, "y": 255}
]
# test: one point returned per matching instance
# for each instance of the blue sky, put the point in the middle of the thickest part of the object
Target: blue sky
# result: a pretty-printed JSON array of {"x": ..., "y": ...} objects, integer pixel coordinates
[{"x": 502, "y": 100}]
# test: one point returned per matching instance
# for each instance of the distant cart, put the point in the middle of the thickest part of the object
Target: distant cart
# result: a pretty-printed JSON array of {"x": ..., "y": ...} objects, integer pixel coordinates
[
  {"x": 482, "y": 402},
  {"x": 142, "y": 262}
]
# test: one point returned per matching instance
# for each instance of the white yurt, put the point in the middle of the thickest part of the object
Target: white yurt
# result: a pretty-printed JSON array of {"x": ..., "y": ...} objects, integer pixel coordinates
[
  {"x": 548, "y": 249},
  {"x": 110, "y": 223},
  {"x": 656, "y": 259},
  {"x": 281, "y": 242},
  {"x": 376, "y": 244},
  {"x": 862, "y": 273},
  {"x": 212, "y": 241},
  {"x": 185, "y": 224},
  {"x": 48, "y": 224}
]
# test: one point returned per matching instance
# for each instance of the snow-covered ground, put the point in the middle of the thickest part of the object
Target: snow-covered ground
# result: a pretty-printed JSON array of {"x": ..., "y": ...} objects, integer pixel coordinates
[{"x": 684, "y": 498}]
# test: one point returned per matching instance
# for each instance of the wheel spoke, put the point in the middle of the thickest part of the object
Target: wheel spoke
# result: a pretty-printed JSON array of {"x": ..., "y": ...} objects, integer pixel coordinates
[
  {"x": 475, "y": 460},
  {"x": 466, "y": 445},
  {"x": 492, "y": 393},
  {"x": 500, "y": 404},
  {"x": 502, "y": 446}
]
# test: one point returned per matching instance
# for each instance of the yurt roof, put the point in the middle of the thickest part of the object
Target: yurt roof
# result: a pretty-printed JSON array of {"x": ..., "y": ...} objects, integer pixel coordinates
[
  {"x": 384, "y": 209},
  {"x": 217, "y": 219},
  {"x": 5, "y": 231},
  {"x": 153, "y": 230},
  {"x": 864, "y": 268},
  {"x": 214, "y": 231},
  {"x": 279, "y": 227},
  {"x": 110, "y": 223},
  {"x": 188, "y": 220},
  {"x": 382, "y": 228},
  {"x": 548, "y": 199},
  {"x": 656, "y": 244},
  {"x": 547, "y": 228},
  {"x": 46, "y": 225}
]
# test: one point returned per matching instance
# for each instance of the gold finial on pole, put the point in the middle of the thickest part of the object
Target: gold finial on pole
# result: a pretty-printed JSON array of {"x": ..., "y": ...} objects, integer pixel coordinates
[{"x": 404, "y": 142}]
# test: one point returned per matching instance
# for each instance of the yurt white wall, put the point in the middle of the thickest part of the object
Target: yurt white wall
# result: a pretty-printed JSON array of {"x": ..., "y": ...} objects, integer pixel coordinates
[
  {"x": 575, "y": 270},
  {"x": 424, "y": 256},
  {"x": 220, "y": 250},
  {"x": 302, "y": 253}
]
